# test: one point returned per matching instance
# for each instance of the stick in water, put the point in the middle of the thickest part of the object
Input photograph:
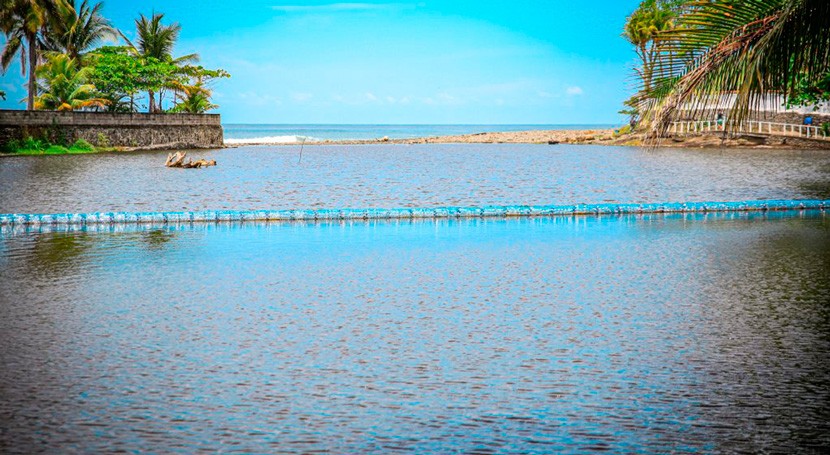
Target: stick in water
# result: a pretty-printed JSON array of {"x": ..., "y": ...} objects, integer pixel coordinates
[{"x": 301, "y": 151}]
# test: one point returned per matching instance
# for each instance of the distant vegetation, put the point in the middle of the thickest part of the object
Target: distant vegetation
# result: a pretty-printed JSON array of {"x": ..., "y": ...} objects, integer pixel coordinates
[
  {"x": 32, "y": 146},
  {"x": 58, "y": 44},
  {"x": 692, "y": 52}
]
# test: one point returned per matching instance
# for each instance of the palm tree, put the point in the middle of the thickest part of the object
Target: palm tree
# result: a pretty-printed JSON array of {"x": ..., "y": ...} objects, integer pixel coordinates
[
  {"x": 76, "y": 29},
  {"x": 24, "y": 22},
  {"x": 64, "y": 86},
  {"x": 651, "y": 18},
  {"x": 156, "y": 40},
  {"x": 194, "y": 99},
  {"x": 749, "y": 47}
]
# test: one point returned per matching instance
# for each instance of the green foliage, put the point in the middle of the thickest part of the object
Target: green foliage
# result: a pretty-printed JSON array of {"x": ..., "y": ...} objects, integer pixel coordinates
[
  {"x": 27, "y": 145},
  {"x": 155, "y": 46},
  {"x": 32, "y": 146},
  {"x": 641, "y": 28},
  {"x": 56, "y": 150},
  {"x": 63, "y": 85},
  {"x": 806, "y": 93},
  {"x": 24, "y": 24},
  {"x": 119, "y": 75},
  {"x": 102, "y": 140},
  {"x": 624, "y": 130},
  {"x": 194, "y": 96},
  {"x": 825, "y": 128},
  {"x": 30, "y": 143},
  {"x": 62, "y": 35},
  {"x": 81, "y": 144},
  {"x": 77, "y": 28},
  {"x": 751, "y": 48}
]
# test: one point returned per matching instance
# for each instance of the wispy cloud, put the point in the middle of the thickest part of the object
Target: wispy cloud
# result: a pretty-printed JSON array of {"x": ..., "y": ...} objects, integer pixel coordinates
[
  {"x": 345, "y": 7},
  {"x": 301, "y": 97},
  {"x": 574, "y": 90}
]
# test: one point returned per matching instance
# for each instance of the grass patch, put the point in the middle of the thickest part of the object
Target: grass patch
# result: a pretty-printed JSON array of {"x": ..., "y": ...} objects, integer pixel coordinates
[
  {"x": 32, "y": 146},
  {"x": 622, "y": 131}
]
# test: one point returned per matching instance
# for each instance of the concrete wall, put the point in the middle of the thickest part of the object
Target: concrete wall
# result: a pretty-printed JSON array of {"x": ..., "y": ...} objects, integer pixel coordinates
[{"x": 120, "y": 130}]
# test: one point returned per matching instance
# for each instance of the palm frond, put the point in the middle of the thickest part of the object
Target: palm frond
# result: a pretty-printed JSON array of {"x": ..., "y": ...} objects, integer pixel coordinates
[{"x": 749, "y": 48}]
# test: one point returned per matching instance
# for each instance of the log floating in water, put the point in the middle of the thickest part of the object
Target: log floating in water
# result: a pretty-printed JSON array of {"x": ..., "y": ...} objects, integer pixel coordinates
[{"x": 177, "y": 160}]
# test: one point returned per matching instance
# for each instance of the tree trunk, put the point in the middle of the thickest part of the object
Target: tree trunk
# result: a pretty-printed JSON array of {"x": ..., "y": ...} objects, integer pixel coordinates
[
  {"x": 152, "y": 96},
  {"x": 30, "y": 100}
]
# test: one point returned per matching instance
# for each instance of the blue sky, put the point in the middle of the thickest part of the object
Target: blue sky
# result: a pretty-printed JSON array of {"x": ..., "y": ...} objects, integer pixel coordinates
[{"x": 496, "y": 61}]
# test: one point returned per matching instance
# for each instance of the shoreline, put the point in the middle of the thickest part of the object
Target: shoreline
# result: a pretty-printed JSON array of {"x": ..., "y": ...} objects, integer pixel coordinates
[
  {"x": 575, "y": 137},
  {"x": 604, "y": 137}
]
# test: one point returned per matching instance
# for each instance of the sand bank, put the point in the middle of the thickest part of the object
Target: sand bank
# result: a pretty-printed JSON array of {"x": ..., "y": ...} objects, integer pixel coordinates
[{"x": 593, "y": 137}]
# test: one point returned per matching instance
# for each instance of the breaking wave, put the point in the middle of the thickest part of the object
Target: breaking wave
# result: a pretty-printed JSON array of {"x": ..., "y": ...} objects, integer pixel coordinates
[{"x": 291, "y": 139}]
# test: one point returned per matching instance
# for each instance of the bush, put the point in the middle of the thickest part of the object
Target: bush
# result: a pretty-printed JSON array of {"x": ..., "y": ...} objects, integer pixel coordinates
[
  {"x": 103, "y": 140},
  {"x": 83, "y": 145},
  {"x": 12, "y": 146},
  {"x": 624, "y": 130},
  {"x": 825, "y": 127},
  {"x": 30, "y": 143},
  {"x": 56, "y": 150}
]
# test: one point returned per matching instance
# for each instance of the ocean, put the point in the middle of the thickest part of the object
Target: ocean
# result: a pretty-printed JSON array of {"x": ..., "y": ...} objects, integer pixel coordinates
[{"x": 288, "y": 134}]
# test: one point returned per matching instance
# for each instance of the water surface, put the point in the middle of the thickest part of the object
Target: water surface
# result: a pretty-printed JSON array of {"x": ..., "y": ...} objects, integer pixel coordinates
[
  {"x": 251, "y": 178},
  {"x": 650, "y": 334}
]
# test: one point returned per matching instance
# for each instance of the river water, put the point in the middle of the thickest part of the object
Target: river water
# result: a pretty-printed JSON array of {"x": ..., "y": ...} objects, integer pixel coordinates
[
  {"x": 407, "y": 176},
  {"x": 643, "y": 334}
]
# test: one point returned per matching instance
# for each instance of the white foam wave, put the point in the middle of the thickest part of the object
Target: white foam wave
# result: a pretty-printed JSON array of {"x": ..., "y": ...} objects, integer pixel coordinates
[{"x": 268, "y": 140}]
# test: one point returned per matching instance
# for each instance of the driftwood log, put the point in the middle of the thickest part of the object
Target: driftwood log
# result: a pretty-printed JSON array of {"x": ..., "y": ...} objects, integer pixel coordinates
[{"x": 177, "y": 160}]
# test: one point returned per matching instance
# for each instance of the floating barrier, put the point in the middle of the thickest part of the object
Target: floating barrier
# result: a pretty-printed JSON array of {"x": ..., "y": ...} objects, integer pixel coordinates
[{"x": 210, "y": 216}]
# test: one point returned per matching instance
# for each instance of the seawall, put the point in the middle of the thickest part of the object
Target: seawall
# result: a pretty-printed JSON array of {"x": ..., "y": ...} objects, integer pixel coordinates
[{"x": 114, "y": 129}]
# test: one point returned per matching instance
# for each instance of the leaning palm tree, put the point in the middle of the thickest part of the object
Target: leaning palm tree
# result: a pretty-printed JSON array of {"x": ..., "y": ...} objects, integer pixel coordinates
[
  {"x": 64, "y": 86},
  {"x": 156, "y": 40},
  {"x": 750, "y": 47},
  {"x": 24, "y": 23},
  {"x": 78, "y": 28}
]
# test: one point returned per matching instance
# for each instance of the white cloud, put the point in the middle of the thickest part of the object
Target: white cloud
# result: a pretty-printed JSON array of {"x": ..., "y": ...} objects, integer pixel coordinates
[
  {"x": 371, "y": 97},
  {"x": 300, "y": 97},
  {"x": 257, "y": 99},
  {"x": 574, "y": 90}
]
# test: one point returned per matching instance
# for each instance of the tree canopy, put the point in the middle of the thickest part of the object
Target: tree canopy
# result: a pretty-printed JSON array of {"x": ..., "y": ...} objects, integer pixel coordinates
[{"x": 58, "y": 42}]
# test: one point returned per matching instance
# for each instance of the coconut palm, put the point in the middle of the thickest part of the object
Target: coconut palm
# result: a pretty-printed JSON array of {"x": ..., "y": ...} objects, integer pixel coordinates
[
  {"x": 193, "y": 99},
  {"x": 749, "y": 47},
  {"x": 156, "y": 40},
  {"x": 78, "y": 28},
  {"x": 24, "y": 23},
  {"x": 64, "y": 86},
  {"x": 651, "y": 18}
]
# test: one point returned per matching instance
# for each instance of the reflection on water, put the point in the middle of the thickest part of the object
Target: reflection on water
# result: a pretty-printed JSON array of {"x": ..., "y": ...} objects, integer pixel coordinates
[
  {"x": 658, "y": 334},
  {"x": 252, "y": 178}
]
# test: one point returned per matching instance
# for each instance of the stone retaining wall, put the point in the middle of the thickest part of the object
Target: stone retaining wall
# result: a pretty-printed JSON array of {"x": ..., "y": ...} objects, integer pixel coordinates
[{"x": 114, "y": 129}]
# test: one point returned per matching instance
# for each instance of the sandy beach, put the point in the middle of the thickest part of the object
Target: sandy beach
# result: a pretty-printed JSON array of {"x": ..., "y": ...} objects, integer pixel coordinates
[{"x": 585, "y": 137}]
